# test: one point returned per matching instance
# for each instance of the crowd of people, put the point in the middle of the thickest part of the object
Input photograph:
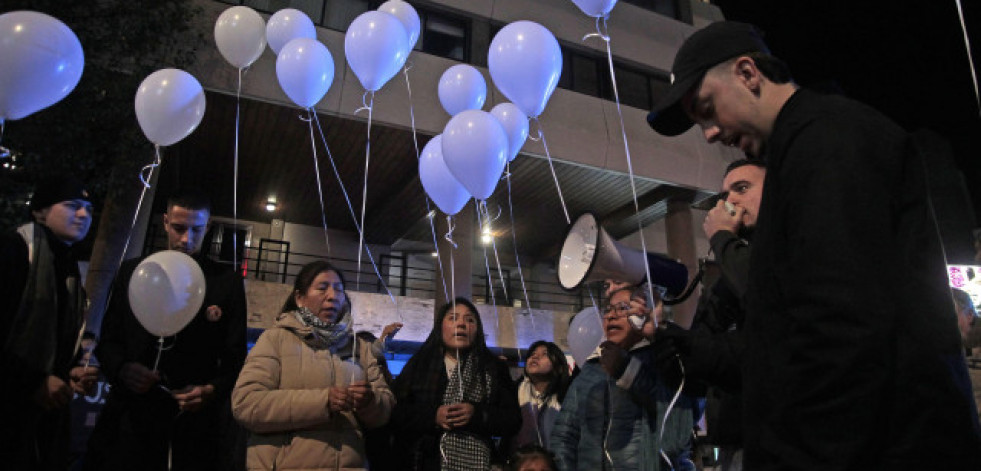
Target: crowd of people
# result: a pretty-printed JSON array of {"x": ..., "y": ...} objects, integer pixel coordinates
[{"x": 797, "y": 358}]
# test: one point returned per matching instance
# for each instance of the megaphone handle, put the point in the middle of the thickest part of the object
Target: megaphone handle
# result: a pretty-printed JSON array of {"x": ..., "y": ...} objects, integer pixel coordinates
[{"x": 688, "y": 291}]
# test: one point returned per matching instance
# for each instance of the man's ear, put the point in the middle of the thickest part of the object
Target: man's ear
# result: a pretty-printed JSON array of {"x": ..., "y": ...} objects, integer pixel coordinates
[
  {"x": 748, "y": 74},
  {"x": 166, "y": 221}
]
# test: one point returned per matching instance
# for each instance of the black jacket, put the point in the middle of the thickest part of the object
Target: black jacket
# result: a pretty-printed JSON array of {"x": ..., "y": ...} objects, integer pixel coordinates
[
  {"x": 33, "y": 438},
  {"x": 204, "y": 352},
  {"x": 717, "y": 342},
  {"x": 852, "y": 356},
  {"x": 414, "y": 418}
]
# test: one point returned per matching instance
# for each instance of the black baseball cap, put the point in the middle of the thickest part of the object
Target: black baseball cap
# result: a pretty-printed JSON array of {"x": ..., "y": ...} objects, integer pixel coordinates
[{"x": 708, "y": 47}]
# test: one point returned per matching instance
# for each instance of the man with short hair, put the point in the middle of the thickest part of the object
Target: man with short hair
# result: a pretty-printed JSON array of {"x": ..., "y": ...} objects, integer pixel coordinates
[
  {"x": 171, "y": 413},
  {"x": 42, "y": 309},
  {"x": 852, "y": 358}
]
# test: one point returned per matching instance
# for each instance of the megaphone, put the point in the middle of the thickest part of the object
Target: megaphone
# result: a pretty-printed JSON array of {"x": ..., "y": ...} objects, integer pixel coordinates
[{"x": 590, "y": 254}]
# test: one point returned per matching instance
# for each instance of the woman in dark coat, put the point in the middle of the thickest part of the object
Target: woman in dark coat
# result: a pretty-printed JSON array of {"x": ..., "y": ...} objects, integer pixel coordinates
[{"x": 453, "y": 397}]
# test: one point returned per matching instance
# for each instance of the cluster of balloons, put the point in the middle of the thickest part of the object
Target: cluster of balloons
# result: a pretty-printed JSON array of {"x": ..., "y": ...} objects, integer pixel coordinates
[
  {"x": 41, "y": 62},
  {"x": 166, "y": 291},
  {"x": 468, "y": 158}
]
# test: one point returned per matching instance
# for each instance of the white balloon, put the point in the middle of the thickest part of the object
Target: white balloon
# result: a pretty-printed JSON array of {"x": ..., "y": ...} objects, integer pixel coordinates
[
  {"x": 305, "y": 70},
  {"x": 585, "y": 334},
  {"x": 475, "y": 150},
  {"x": 461, "y": 88},
  {"x": 407, "y": 15},
  {"x": 166, "y": 291},
  {"x": 595, "y": 8},
  {"x": 240, "y": 34},
  {"x": 286, "y": 25},
  {"x": 169, "y": 105},
  {"x": 41, "y": 61},
  {"x": 440, "y": 184},
  {"x": 375, "y": 46},
  {"x": 515, "y": 124},
  {"x": 525, "y": 62}
]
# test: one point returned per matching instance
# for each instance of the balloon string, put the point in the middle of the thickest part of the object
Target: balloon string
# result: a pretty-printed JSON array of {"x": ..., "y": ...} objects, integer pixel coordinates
[
  {"x": 430, "y": 214},
  {"x": 320, "y": 187},
  {"x": 497, "y": 260},
  {"x": 364, "y": 188},
  {"x": 541, "y": 136},
  {"x": 490, "y": 279},
  {"x": 626, "y": 151},
  {"x": 517, "y": 259},
  {"x": 238, "y": 106},
  {"x": 667, "y": 413},
  {"x": 601, "y": 32},
  {"x": 350, "y": 209},
  {"x": 146, "y": 173},
  {"x": 449, "y": 232},
  {"x": 4, "y": 152},
  {"x": 139, "y": 204},
  {"x": 160, "y": 349},
  {"x": 970, "y": 59}
]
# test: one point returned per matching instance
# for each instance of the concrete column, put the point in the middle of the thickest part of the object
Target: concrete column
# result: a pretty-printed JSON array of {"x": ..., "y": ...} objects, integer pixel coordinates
[
  {"x": 462, "y": 256},
  {"x": 681, "y": 246}
]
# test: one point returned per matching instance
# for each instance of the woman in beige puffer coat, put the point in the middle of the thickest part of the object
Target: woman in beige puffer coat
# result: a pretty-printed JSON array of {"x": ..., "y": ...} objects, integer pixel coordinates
[{"x": 305, "y": 405}]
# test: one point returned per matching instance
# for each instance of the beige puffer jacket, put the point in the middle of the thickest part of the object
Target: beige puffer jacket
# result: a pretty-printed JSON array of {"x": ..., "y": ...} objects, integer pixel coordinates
[{"x": 281, "y": 396}]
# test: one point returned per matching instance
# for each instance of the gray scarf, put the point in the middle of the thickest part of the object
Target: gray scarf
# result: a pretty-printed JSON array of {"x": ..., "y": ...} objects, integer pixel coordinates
[{"x": 328, "y": 335}]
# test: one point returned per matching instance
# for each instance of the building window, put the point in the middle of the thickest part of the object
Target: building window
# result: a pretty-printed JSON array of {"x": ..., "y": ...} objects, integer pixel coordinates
[
  {"x": 313, "y": 8},
  {"x": 444, "y": 36},
  {"x": 667, "y": 8},
  {"x": 339, "y": 15}
]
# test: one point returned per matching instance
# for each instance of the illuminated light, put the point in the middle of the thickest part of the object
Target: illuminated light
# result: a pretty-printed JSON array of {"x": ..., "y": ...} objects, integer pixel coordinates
[
  {"x": 434, "y": 254},
  {"x": 486, "y": 239},
  {"x": 271, "y": 204}
]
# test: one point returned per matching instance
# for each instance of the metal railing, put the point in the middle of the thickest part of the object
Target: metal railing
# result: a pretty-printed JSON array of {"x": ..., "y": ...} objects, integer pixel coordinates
[{"x": 273, "y": 260}]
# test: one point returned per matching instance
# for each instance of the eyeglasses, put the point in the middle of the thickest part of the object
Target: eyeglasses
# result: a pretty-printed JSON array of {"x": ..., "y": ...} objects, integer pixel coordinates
[{"x": 616, "y": 311}]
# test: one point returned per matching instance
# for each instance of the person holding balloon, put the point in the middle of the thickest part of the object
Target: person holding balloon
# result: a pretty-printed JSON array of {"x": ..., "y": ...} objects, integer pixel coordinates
[
  {"x": 171, "y": 355},
  {"x": 306, "y": 404},
  {"x": 453, "y": 396},
  {"x": 42, "y": 306}
]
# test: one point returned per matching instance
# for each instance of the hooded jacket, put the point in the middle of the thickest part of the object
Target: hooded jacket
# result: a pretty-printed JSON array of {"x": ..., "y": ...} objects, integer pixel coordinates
[{"x": 281, "y": 396}]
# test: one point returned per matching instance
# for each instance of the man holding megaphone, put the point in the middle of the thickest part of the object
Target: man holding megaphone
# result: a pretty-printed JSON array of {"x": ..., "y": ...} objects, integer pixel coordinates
[{"x": 711, "y": 350}]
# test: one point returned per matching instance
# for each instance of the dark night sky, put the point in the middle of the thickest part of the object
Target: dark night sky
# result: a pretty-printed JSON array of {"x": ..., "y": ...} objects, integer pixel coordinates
[{"x": 905, "y": 58}]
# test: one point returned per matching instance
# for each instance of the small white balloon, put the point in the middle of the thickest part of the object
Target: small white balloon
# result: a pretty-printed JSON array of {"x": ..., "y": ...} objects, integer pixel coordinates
[
  {"x": 585, "y": 334},
  {"x": 169, "y": 105},
  {"x": 41, "y": 61},
  {"x": 515, "y": 124},
  {"x": 525, "y": 62},
  {"x": 166, "y": 291},
  {"x": 407, "y": 15},
  {"x": 461, "y": 88},
  {"x": 286, "y": 25},
  {"x": 240, "y": 34},
  {"x": 475, "y": 150},
  {"x": 440, "y": 184},
  {"x": 595, "y": 8},
  {"x": 305, "y": 69},
  {"x": 375, "y": 46}
]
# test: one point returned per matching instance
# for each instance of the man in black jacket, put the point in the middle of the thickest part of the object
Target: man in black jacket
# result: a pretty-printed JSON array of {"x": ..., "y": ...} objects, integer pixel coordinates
[
  {"x": 42, "y": 306},
  {"x": 852, "y": 358},
  {"x": 175, "y": 411}
]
